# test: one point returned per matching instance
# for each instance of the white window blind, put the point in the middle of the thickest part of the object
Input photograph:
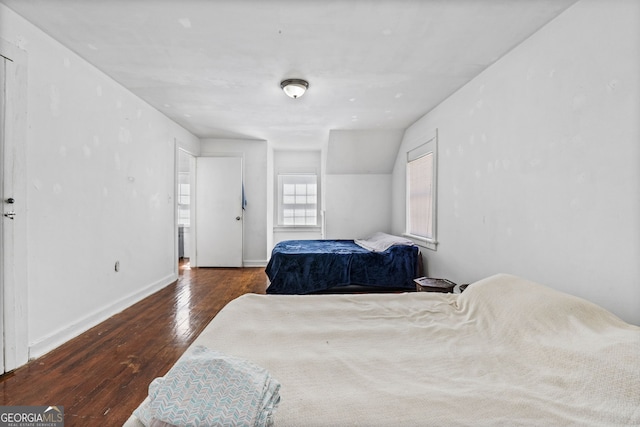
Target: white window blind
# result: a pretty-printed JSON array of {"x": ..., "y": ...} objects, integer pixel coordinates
[
  {"x": 421, "y": 196},
  {"x": 421, "y": 193}
]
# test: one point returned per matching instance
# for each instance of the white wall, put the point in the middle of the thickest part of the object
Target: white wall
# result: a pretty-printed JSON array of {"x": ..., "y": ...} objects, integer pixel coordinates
[
  {"x": 357, "y": 205},
  {"x": 100, "y": 189},
  {"x": 254, "y": 155},
  {"x": 539, "y": 162},
  {"x": 358, "y": 182}
]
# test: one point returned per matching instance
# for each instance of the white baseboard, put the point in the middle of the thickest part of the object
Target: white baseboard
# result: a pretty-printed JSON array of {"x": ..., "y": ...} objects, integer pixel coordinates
[
  {"x": 45, "y": 345},
  {"x": 254, "y": 263}
]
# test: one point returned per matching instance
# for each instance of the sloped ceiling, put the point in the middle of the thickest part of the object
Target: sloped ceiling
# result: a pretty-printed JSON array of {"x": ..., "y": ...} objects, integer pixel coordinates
[
  {"x": 215, "y": 66},
  {"x": 362, "y": 151}
]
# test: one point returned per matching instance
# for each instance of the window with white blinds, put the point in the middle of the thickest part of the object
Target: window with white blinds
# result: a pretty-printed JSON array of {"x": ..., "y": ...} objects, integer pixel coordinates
[{"x": 421, "y": 193}]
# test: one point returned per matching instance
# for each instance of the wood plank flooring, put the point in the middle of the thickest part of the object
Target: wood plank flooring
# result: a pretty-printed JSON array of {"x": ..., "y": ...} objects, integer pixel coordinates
[{"x": 101, "y": 376}]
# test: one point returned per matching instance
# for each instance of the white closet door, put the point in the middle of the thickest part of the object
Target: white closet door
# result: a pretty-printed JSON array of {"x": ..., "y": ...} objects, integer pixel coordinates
[{"x": 219, "y": 212}]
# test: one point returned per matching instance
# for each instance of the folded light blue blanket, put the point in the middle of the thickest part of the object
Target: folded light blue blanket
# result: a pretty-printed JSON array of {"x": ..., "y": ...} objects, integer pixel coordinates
[{"x": 208, "y": 388}]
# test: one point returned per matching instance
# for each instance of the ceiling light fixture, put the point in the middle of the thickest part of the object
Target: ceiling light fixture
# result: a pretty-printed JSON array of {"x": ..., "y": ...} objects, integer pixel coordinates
[{"x": 294, "y": 88}]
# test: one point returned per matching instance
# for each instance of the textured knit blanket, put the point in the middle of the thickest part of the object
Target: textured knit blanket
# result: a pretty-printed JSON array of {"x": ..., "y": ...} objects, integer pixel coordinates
[{"x": 208, "y": 388}]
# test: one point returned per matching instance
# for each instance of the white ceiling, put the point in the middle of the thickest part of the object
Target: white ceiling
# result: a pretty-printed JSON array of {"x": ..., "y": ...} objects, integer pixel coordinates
[{"x": 215, "y": 66}]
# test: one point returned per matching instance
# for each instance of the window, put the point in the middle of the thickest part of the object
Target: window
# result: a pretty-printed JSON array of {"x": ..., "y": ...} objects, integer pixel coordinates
[
  {"x": 421, "y": 193},
  {"x": 297, "y": 200}
]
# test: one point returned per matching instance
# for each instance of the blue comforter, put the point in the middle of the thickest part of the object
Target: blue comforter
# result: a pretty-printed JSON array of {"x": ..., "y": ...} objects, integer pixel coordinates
[{"x": 305, "y": 266}]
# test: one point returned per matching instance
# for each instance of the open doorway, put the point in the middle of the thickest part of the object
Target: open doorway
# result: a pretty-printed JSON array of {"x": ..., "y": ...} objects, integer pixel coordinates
[{"x": 186, "y": 167}]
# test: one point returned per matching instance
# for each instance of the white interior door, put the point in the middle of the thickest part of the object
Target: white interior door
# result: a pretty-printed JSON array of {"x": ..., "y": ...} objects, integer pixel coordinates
[
  {"x": 219, "y": 212},
  {"x": 5, "y": 220},
  {"x": 13, "y": 232}
]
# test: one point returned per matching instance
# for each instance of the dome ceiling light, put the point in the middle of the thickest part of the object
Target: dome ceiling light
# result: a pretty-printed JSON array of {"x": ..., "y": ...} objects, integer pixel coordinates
[{"x": 294, "y": 88}]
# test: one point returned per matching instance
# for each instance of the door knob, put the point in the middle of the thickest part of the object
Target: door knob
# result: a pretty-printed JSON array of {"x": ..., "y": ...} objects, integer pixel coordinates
[
  {"x": 10, "y": 215},
  {"x": 11, "y": 200}
]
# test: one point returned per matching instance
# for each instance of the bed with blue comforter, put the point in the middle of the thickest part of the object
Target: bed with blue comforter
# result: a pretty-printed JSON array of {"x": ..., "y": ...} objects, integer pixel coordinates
[{"x": 309, "y": 266}]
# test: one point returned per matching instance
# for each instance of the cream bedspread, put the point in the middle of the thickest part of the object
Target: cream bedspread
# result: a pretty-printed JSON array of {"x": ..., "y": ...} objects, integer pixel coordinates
[{"x": 505, "y": 352}]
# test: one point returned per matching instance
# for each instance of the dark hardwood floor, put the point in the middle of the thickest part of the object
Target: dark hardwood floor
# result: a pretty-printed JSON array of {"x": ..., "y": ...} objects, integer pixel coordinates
[{"x": 101, "y": 376}]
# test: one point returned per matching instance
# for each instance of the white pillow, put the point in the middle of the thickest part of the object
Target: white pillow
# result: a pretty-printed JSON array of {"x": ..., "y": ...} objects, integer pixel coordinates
[{"x": 380, "y": 242}]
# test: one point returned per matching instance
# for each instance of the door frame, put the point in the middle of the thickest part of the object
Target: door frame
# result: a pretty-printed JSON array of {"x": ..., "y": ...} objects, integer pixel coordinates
[
  {"x": 192, "y": 167},
  {"x": 13, "y": 281}
]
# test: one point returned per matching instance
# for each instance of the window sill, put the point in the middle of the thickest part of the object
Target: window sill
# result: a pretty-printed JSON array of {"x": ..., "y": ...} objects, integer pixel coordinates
[
  {"x": 297, "y": 228},
  {"x": 423, "y": 241}
]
